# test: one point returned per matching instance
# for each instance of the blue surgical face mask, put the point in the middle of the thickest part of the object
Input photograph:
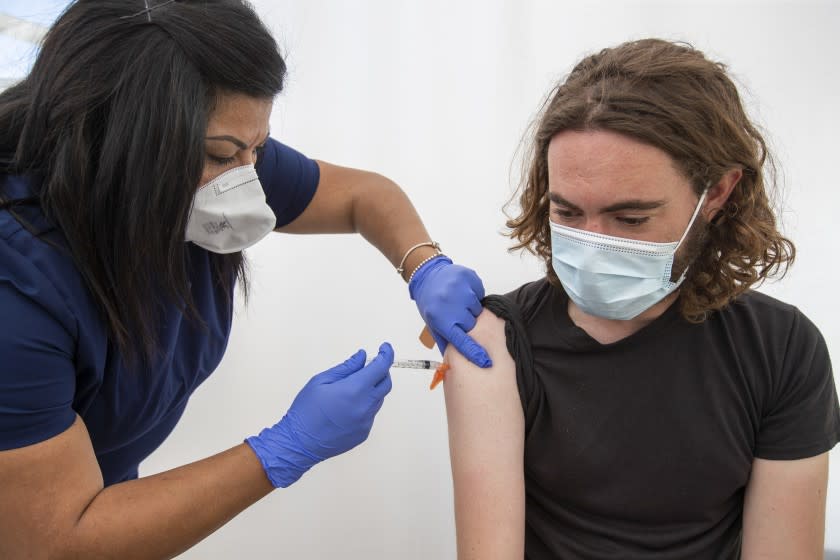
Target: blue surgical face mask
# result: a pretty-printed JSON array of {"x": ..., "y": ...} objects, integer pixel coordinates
[{"x": 614, "y": 277}]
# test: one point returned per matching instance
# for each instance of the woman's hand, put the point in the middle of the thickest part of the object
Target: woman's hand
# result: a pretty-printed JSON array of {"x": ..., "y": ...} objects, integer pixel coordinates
[
  {"x": 333, "y": 413},
  {"x": 448, "y": 297}
]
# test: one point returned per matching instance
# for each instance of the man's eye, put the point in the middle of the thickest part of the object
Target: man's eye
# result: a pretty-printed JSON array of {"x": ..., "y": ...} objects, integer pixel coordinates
[
  {"x": 564, "y": 213},
  {"x": 633, "y": 221}
]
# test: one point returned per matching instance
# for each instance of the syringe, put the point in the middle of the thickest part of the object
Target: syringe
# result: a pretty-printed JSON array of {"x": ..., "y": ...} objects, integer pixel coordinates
[
  {"x": 416, "y": 364},
  {"x": 423, "y": 365},
  {"x": 413, "y": 364}
]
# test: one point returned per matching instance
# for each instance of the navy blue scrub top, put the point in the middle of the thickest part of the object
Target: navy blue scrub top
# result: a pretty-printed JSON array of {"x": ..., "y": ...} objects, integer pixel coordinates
[{"x": 56, "y": 359}]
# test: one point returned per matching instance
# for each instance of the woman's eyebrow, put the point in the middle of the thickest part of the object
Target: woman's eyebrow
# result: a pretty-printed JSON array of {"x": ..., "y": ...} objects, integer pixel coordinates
[{"x": 236, "y": 141}]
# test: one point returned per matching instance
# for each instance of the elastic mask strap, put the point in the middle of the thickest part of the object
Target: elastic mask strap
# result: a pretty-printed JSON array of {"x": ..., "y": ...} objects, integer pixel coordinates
[{"x": 693, "y": 217}]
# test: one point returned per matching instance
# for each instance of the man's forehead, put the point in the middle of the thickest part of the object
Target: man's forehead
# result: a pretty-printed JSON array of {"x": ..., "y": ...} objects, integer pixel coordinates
[
  {"x": 598, "y": 167},
  {"x": 600, "y": 152}
]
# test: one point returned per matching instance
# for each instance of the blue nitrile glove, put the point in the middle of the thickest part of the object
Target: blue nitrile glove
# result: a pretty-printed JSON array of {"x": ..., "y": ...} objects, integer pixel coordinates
[
  {"x": 449, "y": 299},
  {"x": 333, "y": 413}
]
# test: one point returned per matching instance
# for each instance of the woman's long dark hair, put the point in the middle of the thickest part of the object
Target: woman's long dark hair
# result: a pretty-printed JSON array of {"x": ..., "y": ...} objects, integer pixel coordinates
[{"x": 112, "y": 120}]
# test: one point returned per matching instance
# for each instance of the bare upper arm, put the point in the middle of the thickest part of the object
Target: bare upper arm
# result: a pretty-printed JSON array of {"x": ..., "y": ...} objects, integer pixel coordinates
[
  {"x": 486, "y": 442},
  {"x": 45, "y": 489},
  {"x": 784, "y": 509}
]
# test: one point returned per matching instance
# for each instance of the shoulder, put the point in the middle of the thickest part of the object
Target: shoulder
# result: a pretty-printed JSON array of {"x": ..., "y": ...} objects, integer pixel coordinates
[
  {"x": 489, "y": 332},
  {"x": 47, "y": 310},
  {"x": 530, "y": 298},
  {"x": 761, "y": 304},
  {"x": 32, "y": 269},
  {"x": 788, "y": 361},
  {"x": 280, "y": 160},
  {"x": 773, "y": 339},
  {"x": 38, "y": 342},
  {"x": 769, "y": 318},
  {"x": 530, "y": 291},
  {"x": 472, "y": 392},
  {"x": 37, "y": 264},
  {"x": 489, "y": 328},
  {"x": 289, "y": 180},
  {"x": 34, "y": 295}
]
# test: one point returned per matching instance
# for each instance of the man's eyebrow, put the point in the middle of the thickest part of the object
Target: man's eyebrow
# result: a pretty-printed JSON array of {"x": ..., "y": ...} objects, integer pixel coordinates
[
  {"x": 632, "y": 204},
  {"x": 236, "y": 141},
  {"x": 557, "y": 199}
]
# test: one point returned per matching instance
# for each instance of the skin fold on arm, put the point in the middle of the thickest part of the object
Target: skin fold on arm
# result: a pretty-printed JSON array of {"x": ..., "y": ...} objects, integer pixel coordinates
[{"x": 486, "y": 442}]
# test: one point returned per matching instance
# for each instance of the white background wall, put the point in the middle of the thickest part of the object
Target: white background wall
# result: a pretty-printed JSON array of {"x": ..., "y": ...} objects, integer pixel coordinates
[{"x": 436, "y": 96}]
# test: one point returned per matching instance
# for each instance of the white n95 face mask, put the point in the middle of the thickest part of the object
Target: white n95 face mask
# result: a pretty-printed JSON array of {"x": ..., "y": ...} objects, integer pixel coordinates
[
  {"x": 229, "y": 213},
  {"x": 614, "y": 277}
]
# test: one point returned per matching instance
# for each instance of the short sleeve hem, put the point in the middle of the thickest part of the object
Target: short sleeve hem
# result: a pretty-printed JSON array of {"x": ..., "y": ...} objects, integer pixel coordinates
[
  {"x": 39, "y": 432},
  {"x": 802, "y": 452}
]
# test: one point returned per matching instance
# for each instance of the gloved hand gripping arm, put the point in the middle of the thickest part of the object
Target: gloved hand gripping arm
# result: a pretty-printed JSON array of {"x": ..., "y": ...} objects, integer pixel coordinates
[{"x": 448, "y": 297}]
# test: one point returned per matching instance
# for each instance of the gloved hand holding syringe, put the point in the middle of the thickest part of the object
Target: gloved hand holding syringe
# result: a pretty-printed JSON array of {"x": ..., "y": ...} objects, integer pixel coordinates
[{"x": 333, "y": 413}]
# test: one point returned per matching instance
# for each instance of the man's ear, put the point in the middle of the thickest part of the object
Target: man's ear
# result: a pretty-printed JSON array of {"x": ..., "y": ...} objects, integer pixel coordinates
[{"x": 718, "y": 193}]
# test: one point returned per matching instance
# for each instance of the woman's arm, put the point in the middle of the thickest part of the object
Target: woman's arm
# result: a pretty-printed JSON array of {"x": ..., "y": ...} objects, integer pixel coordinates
[
  {"x": 486, "y": 442},
  {"x": 784, "y": 509},
  {"x": 53, "y": 504},
  {"x": 354, "y": 201}
]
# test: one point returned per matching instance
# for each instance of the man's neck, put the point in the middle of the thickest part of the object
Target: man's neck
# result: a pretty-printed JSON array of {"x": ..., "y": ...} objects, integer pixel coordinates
[{"x": 607, "y": 331}]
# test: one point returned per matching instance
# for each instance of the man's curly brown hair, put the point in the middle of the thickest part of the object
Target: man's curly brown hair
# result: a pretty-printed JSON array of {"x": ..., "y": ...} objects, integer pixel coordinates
[{"x": 670, "y": 96}]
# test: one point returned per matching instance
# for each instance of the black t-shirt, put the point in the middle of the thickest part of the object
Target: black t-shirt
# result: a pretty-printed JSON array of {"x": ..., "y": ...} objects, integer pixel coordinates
[{"x": 643, "y": 448}]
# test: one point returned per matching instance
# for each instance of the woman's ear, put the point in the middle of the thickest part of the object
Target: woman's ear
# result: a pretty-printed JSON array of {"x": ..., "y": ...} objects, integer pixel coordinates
[{"x": 719, "y": 193}]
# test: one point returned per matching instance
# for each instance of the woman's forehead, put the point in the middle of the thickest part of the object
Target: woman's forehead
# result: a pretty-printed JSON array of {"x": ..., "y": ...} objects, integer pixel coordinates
[{"x": 241, "y": 116}]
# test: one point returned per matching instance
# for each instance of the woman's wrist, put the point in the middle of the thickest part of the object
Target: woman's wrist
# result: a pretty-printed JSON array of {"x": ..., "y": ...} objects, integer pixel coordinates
[
  {"x": 282, "y": 456},
  {"x": 416, "y": 258}
]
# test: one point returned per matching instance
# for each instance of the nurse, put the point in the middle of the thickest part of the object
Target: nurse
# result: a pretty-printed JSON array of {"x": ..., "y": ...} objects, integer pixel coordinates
[{"x": 135, "y": 166}]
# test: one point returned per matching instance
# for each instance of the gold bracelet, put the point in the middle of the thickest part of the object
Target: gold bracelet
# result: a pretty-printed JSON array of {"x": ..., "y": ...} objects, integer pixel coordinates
[
  {"x": 401, "y": 269},
  {"x": 424, "y": 261}
]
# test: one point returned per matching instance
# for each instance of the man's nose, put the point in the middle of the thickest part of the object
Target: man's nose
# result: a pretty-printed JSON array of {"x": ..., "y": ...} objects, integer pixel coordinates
[{"x": 593, "y": 225}]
